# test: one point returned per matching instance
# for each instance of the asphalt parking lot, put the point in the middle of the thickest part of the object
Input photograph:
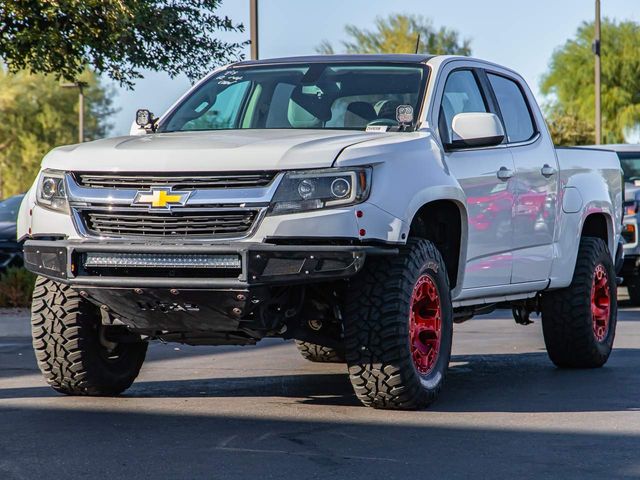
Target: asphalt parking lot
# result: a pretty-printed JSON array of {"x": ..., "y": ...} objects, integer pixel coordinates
[{"x": 264, "y": 412}]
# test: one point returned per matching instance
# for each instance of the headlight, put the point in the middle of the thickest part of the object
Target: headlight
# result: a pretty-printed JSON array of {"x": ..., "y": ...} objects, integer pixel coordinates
[
  {"x": 306, "y": 190},
  {"x": 51, "y": 191}
]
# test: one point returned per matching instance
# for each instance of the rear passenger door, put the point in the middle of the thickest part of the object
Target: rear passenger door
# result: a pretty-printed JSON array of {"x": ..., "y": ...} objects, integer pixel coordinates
[{"x": 535, "y": 182}]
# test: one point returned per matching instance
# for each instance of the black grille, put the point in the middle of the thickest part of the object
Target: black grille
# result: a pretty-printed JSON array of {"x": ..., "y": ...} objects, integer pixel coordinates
[
  {"x": 176, "y": 181},
  {"x": 128, "y": 223}
]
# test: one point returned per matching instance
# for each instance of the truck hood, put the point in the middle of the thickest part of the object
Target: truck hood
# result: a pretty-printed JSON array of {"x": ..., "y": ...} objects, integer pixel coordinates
[{"x": 222, "y": 150}]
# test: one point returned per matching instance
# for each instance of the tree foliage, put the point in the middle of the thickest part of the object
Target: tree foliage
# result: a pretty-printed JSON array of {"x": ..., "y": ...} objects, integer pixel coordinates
[
  {"x": 570, "y": 80},
  {"x": 37, "y": 115},
  {"x": 568, "y": 129},
  {"x": 398, "y": 33},
  {"x": 115, "y": 37}
]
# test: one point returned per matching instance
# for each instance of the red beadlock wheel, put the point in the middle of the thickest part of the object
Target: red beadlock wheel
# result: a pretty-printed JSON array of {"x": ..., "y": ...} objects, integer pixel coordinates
[
  {"x": 425, "y": 325},
  {"x": 600, "y": 303},
  {"x": 579, "y": 321},
  {"x": 398, "y": 328}
]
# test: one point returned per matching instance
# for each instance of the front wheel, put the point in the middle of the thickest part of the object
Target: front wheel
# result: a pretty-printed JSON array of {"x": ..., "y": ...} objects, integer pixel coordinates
[
  {"x": 579, "y": 322},
  {"x": 398, "y": 328},
  {"x": 74, "y": 350}
]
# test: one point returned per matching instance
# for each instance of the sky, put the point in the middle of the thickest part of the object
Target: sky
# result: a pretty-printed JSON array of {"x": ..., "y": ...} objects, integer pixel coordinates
[{"x": 520, "y": 34}]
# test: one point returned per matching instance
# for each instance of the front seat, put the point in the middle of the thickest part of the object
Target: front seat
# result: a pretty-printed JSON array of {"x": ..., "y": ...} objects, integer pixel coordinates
[{"x": 359, "y": 114}]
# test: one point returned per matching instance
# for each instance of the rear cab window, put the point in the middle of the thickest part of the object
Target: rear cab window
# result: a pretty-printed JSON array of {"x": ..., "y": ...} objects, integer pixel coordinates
[{"x": 516, "y": 114}]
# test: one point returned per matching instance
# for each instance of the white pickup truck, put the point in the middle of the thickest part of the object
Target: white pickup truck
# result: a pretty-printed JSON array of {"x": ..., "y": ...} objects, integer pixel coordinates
[{"x": 357, "y": 204}]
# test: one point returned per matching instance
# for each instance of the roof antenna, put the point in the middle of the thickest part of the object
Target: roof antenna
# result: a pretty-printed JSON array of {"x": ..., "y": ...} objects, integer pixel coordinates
[{"x": 418, "y": 42}]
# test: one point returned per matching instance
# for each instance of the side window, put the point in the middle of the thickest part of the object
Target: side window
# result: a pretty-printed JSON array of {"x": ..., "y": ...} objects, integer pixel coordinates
[
  {"x": 461, "y": 94},
  {"x": 514, "y": 108}
]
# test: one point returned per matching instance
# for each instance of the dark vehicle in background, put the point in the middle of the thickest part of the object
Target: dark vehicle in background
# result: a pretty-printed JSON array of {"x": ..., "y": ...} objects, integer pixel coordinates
[
  {"x": 630, "y": 161},
  {"x": 10, "y": 248}
]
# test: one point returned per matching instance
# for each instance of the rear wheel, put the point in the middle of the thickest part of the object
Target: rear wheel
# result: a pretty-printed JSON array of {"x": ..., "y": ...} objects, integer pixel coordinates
[
  {"x": 319, "y": 354},
  {"x": 398, "y": 328},
  {"x": 579, "y": 322},
  {"x": 75, "y": 352}
]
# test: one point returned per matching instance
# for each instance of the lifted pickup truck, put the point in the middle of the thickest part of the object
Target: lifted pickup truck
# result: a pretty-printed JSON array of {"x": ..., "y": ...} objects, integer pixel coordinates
[{"x": 357, "y": 204}]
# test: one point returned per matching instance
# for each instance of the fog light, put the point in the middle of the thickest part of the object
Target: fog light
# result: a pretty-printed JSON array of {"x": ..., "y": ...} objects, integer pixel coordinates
[{"x": 161, "y": 260}]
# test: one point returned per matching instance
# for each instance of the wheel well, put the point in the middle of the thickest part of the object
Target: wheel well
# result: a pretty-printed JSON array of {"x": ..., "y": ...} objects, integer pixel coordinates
[
  {"x": 440, "y": 223},
  {"x": 595, "y": 225}
]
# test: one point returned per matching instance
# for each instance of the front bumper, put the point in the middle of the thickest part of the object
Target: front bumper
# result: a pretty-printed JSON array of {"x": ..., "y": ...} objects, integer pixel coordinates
[
  {"x": 237, "y": 305},
  {"x": 259, "y": 264}
]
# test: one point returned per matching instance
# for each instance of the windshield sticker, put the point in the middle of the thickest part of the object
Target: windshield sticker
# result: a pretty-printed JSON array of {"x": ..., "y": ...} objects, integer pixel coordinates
[
  {"x": 229, "y": 77},
  {"x": 404, "y": 114},
  {"x": 377, "y": 128}
]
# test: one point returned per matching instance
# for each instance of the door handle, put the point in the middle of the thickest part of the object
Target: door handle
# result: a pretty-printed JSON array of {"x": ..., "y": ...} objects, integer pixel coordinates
[
  {"x": 547, "y": 171},
  {"x": 504, "y": 174}
]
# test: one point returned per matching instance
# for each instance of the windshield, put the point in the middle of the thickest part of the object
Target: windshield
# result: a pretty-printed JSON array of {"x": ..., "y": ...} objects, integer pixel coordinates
[
  {"x": 316, "y": 95},
  {"x": 630, "y": 162},
  {"x": 9, "y": 208}
]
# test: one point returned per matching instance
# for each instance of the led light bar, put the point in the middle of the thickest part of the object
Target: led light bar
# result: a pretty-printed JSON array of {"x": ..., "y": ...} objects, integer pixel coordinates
[{"x": 161, "y": 260}]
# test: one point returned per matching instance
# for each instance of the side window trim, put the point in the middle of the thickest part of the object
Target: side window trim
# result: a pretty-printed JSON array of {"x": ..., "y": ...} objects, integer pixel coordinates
[
  {"x": 488, "y": 97},
  {"x": 536, "y": 129},
  {"x": 495, "y": 106}
]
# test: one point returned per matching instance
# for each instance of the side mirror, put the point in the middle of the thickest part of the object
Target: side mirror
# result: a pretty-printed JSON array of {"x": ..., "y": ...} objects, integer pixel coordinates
[
  {"x": 137, "y": 130},
  {"x": 476, "y": 129}
]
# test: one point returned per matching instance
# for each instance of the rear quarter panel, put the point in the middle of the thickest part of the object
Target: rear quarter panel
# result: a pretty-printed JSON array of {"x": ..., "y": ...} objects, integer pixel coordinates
[{"x": 590, "y": 182}]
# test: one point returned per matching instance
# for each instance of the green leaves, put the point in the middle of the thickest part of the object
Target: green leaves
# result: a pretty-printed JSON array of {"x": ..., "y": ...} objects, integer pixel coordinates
[
  {"x": 399, "y": 34},
  {"x": 37, "y": 115},
  {"x": 115, "y": 37},
  {"x": 570, "y": 81}
]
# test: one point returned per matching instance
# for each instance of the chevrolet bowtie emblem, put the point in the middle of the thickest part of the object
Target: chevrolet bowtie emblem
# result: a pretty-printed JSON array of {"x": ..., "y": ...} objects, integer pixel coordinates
[{"x": 161, "y": 198}]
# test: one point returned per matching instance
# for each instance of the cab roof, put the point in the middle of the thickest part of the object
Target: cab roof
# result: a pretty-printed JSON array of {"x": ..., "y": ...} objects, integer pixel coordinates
[{"x": 375, "y": 58}]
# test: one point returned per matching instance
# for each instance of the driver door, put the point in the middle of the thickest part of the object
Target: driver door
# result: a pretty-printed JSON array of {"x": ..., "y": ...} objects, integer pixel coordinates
[{"x": 486, "y": 176}]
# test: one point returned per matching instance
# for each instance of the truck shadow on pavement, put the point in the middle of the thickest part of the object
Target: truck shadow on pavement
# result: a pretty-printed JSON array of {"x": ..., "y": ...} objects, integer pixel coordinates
[{"x": 525, "y": 382}]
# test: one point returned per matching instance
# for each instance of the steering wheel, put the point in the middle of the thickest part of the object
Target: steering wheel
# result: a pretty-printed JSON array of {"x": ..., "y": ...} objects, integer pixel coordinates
[{"x": 388, "y": 122}]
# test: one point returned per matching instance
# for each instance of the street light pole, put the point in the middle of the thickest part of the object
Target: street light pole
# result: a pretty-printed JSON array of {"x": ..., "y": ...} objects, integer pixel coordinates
[
  {"x": 253, "y": 20},
  {"x": 80, "y": 86},
  {"x": 80, "y": 113},
  {"x": 596, "y": 51}
]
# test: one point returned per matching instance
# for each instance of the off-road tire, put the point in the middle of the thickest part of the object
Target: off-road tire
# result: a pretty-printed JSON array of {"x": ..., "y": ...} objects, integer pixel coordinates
[
  {"x": 633, "y": 287},
  {"x": 377, "y": 317},
  {"x": 66, "y": 339},
  {"x": 567, "y": 319},
  {"x": 319, "y": 354}
]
